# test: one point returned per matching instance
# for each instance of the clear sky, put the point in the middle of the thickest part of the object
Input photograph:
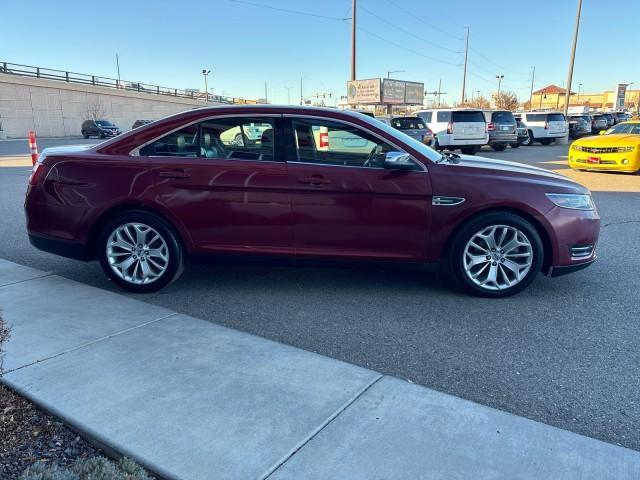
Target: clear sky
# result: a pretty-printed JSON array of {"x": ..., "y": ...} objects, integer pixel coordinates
[{"x": 247, "y": 43}]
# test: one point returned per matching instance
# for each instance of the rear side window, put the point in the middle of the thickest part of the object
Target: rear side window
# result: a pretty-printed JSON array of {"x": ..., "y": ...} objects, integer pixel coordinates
[
  {"x": 472, "y": 116},
  {"x": 407, "y": 123},
  {"x": 443, "y": 117},
  {"x": 426, "y": 116},
  {"x": 536, "y": 117},
  {"x": 182, "y": 143},
  {"x": 502, "y": 117}
]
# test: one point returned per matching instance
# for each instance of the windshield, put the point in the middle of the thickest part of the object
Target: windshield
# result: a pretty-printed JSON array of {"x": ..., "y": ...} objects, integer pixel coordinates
[
  {"x": 629, "y": 128},
  {"x": 408, "y": 123},
  {"x": 555, "y": 117},
  {"x": 502, "y": 117},
  {"x": 105, "y": 123},
  {"x": 404, "y": 139}
]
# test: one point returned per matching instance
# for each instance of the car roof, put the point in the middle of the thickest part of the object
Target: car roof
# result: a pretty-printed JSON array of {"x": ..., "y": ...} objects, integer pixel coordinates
[{"x": 462, "y": 109}]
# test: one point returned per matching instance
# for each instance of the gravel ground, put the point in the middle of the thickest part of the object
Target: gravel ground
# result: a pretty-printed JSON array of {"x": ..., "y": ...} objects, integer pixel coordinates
[{"x": 27, "y": 435}]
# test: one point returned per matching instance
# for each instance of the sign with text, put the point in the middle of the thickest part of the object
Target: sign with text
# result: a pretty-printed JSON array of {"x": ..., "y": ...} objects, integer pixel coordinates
[
  {"x": 414, "y": 93},
  {"x": 621, "y": 91},
  {"x": 364, "y": 91},
  {"x": 393, "y": 91}
]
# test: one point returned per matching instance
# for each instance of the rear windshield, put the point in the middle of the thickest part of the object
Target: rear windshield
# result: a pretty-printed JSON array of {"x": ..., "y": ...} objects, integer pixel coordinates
[
  {"x": 407, "y": 123},
  {"x": 476, "y": 116},
  {"x": 502, "y": 117},
  {"x": 555, "y": 117}
]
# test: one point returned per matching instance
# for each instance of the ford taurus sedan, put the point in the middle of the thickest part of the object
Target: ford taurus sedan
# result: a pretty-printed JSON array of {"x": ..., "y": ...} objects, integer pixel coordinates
[{"x": 319, "y": 184}]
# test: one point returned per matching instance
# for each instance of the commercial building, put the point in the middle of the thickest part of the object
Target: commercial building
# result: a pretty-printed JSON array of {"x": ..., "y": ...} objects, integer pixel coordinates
[{"x": 554, "y": 97}]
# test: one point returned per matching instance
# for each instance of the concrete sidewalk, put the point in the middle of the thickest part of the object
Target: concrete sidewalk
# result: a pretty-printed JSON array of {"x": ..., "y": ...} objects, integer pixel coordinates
[{"x": 192, "y": 400}]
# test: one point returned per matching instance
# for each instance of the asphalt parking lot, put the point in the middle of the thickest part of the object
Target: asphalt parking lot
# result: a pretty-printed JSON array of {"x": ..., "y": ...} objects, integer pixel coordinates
[{"x": 565, "y": 352}]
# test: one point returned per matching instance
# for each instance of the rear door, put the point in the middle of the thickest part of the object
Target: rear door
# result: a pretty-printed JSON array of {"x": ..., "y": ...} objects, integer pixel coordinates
[
  {"x": 468, "y": 125},
  {"x": 556, "y": 123},
  {"x": 412, "y": 126},
  {"x": 344, "y": 203},
  {"x": 226, "y": 180}
]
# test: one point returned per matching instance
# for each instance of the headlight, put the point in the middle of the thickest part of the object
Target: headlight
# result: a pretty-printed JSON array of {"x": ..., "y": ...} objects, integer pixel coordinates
[{"x": 575, "y": 201}]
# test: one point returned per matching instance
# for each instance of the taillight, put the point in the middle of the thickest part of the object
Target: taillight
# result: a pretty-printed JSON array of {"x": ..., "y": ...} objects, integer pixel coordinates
[
  {"x": 546, "y": 125},
  {"x": 449, "y": 128},
  {"x": 37, "y": 174},
  {"x": 490, "y": 127}
]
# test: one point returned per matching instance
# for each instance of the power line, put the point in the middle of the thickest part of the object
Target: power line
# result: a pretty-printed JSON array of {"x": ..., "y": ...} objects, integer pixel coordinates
[
  {"x": 497, "y": 65},
  {"x": 382, "y": 19},
  {"x": 413, "y": 15},
  {"x": 288, "y": 10},
  {"x": 407, "y": 49}
]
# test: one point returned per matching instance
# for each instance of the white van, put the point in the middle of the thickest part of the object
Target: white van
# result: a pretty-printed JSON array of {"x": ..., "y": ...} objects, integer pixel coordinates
[
  {"x": 544, "y": 127},
  {"x": 457, "y": 128}
]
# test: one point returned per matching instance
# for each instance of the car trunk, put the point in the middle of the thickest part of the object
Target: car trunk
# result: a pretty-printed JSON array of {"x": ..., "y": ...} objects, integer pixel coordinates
[{"x": 468, "y": 125}]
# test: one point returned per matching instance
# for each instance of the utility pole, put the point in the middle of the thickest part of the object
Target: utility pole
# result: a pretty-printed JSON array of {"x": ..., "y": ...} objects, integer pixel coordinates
[
  {"x": 464, "y": 77},
  {"x": 205, "y": 74},
  {"x": 288, "y": 89},
  {"x": 118, "y": 67},
  {"x": 533, "y": 76},
  {"x": 499, "y": 77},
  {"x": 573, "y": 56},
  {"x": 353, "y": 40},
  {"x": 301, "y": 97},
  {"x": 439, "y": 91},
  {"x": 266, "y": 99}
]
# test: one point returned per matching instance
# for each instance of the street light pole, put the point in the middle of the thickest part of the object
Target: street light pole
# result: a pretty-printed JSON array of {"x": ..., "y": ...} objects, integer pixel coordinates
[
  {"x": 288, "y": 89},
  {"x": 573, "y": 57},
  {"x": 464, "y": 76},
  {"x": 205, "y": 74},
  {"x": 118, "y": 67},
  {"x": 353, "y": 40},
  {"x": 394, "y": 71},
  {"x": 499, "y": 77}
]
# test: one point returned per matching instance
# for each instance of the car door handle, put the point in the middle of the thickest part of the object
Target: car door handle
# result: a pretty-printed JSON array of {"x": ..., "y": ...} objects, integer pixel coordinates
[
  {"x": 314, "y": 180},
  {"x": 174, "y": 174}
]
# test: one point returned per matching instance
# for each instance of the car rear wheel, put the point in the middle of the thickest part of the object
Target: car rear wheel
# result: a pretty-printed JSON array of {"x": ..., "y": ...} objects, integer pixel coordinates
[
  {"x": 496, "y": 255},
  {"x": 140, "y": 252},
  {"x": 514, "y": 145},
  {"x": 470, "y": 150},
  {"x": 499, "y": 147},
  {"x": 529, "y": 140},
  {"x": 546, "y": 141},
  {"x": 85, "y": 134}
]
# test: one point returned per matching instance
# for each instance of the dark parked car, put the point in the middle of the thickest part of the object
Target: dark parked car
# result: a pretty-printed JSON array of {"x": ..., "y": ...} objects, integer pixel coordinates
[
  {"x": 523, "y": 134},
  {"x": 139, "y": 123},
  {"x": 579, "y": 126},
  {"x": 611, "y": 120},
  {"x": 501, "y": 125},
  {"x": 621, "y": 117},
  {"x": 320, "y": 184},
  {"x": 99, "y": 128},
  {"x": 412, "y": 126}
]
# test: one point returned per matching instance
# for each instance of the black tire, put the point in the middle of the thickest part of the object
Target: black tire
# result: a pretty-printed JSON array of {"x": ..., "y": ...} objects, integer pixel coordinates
[
  {"x": 499, "y": 147},
  {"x": 176, "y": 261},
  {"x": 435, "y": 144},
  {"x": 529, "y": 140},
  {"x": 84, "y": 134},
  {"x": 470, "y": 150},
  {"x": 455, "y": 258},
  {"x": 546, "y": 141},
  {"x": 100, "y": 135},
  {"x": 514, "y": 145}
]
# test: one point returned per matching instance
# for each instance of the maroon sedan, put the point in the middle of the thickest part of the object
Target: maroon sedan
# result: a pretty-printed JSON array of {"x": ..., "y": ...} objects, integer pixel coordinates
[{"x": 303, "y": 183}]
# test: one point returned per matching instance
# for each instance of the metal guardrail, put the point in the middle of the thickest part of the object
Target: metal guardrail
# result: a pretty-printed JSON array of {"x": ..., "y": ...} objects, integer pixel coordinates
[{"x": 82, "y": 78}]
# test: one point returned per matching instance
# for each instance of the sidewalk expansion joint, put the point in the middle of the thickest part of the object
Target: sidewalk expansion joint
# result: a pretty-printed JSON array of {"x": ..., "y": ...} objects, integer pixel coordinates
[
  {"x": 92, "y": 342},
  {"x": 321, "y": 427},
  {"x": 46, "y": 274}
]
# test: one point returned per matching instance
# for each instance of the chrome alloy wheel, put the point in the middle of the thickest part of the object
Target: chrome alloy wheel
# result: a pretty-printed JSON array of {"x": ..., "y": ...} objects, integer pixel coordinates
[
  {"x": 497, "y": 257},
  {"x": 137, "y": 253}
]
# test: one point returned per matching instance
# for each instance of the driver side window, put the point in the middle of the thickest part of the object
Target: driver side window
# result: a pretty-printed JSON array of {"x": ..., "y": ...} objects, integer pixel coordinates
[{"x": 334, "y": 143}]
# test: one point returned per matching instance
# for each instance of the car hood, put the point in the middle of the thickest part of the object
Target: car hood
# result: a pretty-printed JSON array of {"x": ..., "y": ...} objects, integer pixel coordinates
[
  {"x": 609, "y": 140},
  {"x": 473, "y": 161}
]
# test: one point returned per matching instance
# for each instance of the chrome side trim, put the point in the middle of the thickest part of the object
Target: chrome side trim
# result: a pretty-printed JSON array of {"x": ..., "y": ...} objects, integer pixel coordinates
[{"x": 447, "y": 201}]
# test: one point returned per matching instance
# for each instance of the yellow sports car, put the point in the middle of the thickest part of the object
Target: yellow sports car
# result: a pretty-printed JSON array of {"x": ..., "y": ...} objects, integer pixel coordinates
[{"x": 617, "y": 149}]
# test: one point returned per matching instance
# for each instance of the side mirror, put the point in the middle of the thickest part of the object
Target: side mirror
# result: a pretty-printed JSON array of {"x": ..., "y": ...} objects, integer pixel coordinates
[{"x": 399, "y": 161}]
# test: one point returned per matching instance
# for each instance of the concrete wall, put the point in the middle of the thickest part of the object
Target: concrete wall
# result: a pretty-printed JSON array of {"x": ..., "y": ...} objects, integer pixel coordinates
[{"x": 56, "y": 109}]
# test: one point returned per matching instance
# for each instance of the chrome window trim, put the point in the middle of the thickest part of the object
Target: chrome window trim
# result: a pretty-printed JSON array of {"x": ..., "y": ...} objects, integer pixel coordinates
[
  {"x": 329, "y": 119},
  {"x": 136, "y": 151},
  {"x": 444, "y": 201}
]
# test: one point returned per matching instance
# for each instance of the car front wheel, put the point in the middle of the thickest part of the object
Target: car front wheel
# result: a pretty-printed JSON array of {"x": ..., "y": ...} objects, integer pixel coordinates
[
  {"x": 496, "y": 255},
  {"x": 470, "y": 150},
  {"x": 140, "y": 252}
]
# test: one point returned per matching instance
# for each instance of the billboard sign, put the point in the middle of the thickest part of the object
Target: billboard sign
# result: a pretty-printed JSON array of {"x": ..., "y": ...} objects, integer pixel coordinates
[
  {"x": 364, "y": 91},
  {"x": 621, "y": 91},
  {"x": 414, "y": 93},
  {"x": 393, "y": 91}
]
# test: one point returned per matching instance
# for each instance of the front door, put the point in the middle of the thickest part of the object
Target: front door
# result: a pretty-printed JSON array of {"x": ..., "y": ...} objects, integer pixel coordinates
[
  {"x": 344, "y": 203},
  {"x": 225, "y": 179}
]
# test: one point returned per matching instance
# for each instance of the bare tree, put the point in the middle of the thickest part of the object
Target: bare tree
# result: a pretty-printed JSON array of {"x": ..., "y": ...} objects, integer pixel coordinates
[
  {"x": 526, "y": 105},
  {"x": 477, "y": 102},
  {"x": 95, "y": 109},
  {"x": 506, "y": 101}
]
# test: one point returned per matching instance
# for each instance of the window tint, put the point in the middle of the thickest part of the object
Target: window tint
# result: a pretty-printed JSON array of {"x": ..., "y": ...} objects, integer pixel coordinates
[
  {"x": 426, "y": 116},
  {"x": 473, "y": 116},
  {"x": 633, "y": 128},
  {"x": 555, "y": 117},
  {"x": 182, "y": 143},
  {"x": 536, "y": 117},
  {"x": 443, "y": 117},
  {"x": 503, "y": 117},
  {"x": 241, "y": 138},
  {"x": 408, "y": 123},
  {"x": 227, "y": 138},
  {"x": 334, "y": 143}
]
